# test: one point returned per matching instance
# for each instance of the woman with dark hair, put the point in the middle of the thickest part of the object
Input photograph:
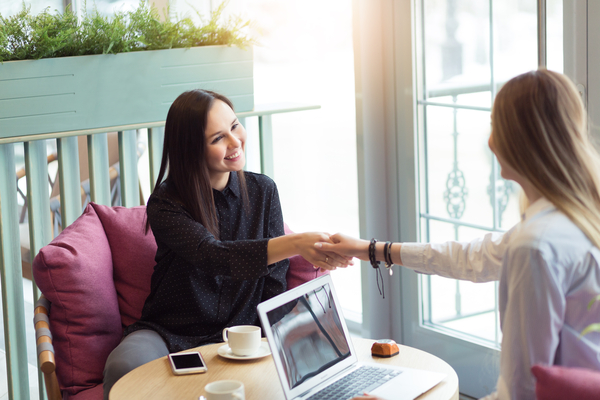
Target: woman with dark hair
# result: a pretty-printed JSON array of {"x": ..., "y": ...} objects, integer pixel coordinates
[
  {"x": 548, "y": 265},
  {"x": 220, "y": 236}
]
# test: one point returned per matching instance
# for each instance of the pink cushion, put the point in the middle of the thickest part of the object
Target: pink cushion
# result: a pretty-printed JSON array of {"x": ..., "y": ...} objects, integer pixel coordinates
[
  {"x": 97, "y": 275},
  {"x": 94, "y": 393},
  {"x": 132, "y": 256},
  {"x": 300, "y": 271},
  {"x": 560, "y": 383},
  {"x": 75, "y": 273}
]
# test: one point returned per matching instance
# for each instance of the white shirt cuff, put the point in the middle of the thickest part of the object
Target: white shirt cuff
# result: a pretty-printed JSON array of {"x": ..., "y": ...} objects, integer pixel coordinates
[{"x": 412, "y": 255}]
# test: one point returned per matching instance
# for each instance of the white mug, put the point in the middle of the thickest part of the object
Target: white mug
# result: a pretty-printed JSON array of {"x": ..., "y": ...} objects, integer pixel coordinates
[
  {"x": 225, "y": 390},
  {"x": 243, "y": 340}
]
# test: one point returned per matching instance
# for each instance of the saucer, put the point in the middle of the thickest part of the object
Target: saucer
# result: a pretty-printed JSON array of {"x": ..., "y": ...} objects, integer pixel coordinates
[{"x": 263, "y": 351}]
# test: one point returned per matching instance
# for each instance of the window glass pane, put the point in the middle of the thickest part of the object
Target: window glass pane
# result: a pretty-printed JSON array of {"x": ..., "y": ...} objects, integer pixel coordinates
[
  {"x": 465, "y": 307},
  {"x": 515, "y": 38},
  {"x": 554, "y": 36},
  {"x": 457, "y": 51}
]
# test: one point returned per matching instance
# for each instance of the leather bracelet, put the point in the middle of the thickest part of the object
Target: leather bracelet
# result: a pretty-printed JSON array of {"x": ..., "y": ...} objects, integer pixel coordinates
[
  {"x": 372, "y": 257},
  {"x": 375, "y": 265}
]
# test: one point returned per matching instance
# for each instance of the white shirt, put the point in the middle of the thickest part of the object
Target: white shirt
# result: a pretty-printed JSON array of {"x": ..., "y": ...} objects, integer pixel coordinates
[{"x": 548, "y": 271}]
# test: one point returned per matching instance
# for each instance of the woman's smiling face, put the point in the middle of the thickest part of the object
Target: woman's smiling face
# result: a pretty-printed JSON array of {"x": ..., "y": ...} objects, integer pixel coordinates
[{"x": 225, "y": 142}]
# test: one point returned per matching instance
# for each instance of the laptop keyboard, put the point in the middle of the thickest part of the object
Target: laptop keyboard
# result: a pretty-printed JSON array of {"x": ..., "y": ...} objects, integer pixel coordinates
[{"x": 364, "y": 379}]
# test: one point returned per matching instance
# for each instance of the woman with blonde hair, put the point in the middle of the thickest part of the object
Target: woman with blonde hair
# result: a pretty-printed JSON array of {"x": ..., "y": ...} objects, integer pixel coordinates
[{"x": 548, "y": 264}]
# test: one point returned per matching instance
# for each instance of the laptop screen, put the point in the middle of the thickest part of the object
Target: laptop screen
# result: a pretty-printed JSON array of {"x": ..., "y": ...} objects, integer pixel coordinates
[{"x": 308, "y": 334}]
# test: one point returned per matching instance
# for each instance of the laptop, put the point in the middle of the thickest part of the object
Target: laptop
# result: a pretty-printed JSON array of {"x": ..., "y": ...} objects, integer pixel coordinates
[{"x": 313, "y": 352}]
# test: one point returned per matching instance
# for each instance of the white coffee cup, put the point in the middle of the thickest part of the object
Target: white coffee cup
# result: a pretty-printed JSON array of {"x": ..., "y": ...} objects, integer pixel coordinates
[
  {"x": 225, "y": 390},
  {"x": 243, "y": 340}
]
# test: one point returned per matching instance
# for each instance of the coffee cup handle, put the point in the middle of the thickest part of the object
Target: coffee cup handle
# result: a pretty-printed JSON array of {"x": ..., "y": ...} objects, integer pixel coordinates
[{"x": 225, "y": 334}]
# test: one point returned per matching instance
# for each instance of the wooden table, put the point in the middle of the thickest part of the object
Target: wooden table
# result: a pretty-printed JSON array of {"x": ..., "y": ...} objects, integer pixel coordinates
[{"x": 156, "y": 381}]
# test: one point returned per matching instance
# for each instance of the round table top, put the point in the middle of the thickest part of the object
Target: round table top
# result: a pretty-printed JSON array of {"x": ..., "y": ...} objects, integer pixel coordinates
[{"x": 155, "y": 380}]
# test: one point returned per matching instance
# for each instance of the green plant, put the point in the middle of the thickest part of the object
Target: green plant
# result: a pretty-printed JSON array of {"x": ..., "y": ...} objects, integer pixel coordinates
[
  {"x": 25, "y": 36},
  {"x": 592, "y": 327}
]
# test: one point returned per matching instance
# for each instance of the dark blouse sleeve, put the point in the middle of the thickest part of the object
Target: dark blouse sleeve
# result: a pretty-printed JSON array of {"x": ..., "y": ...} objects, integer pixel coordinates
[
  {"x": 174, "y": 227},
  {"x": 275, "y": 281}
]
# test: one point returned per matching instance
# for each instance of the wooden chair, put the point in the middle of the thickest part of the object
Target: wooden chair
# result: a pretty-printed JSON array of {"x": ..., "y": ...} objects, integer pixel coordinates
[{"x": 45, "y": 349}]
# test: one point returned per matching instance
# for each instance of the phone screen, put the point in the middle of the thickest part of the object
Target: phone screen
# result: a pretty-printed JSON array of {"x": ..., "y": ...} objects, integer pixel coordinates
[{"x": 190, "y": 360}]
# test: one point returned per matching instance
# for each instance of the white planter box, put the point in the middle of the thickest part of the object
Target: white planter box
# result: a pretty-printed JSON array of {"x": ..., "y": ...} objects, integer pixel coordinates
[{"x": 87, "y": 92}]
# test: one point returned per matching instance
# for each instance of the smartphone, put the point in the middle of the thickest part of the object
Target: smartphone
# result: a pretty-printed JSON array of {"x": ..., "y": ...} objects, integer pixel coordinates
[{"x": 187, "y": 363}]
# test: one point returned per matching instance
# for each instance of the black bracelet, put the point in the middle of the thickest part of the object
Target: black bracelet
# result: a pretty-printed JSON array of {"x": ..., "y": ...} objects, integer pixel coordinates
[
  {"x": 372, "y": 257},
  {"x": 389, "y": 255},
  {"x": 386, "y": 254}
]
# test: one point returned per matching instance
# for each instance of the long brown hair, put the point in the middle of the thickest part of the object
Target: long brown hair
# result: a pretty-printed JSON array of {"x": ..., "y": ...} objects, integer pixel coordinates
[
  {"x": 540, "y": 129},
  {"x": 183, "y": 165}
]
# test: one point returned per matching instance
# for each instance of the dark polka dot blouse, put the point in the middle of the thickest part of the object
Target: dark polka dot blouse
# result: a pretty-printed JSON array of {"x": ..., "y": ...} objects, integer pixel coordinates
[{"x": 201, "y": 285}]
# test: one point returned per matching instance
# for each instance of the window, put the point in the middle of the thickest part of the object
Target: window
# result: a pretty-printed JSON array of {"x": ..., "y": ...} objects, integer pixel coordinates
[{"x": 462, "y": 194}]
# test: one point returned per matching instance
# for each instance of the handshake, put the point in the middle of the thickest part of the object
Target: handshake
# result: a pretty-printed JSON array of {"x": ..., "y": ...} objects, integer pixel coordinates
[{"x": 329, "y": 252}]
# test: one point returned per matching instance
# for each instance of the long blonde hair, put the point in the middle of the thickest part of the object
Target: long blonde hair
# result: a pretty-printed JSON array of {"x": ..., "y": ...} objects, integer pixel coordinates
[{"x": 540, "y": 129}]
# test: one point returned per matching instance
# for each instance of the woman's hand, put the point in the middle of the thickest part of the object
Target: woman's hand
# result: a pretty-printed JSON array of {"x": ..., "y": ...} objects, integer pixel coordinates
[
  {"x": 326, "y": 260},
  {"x": 345, "y": 245}
]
